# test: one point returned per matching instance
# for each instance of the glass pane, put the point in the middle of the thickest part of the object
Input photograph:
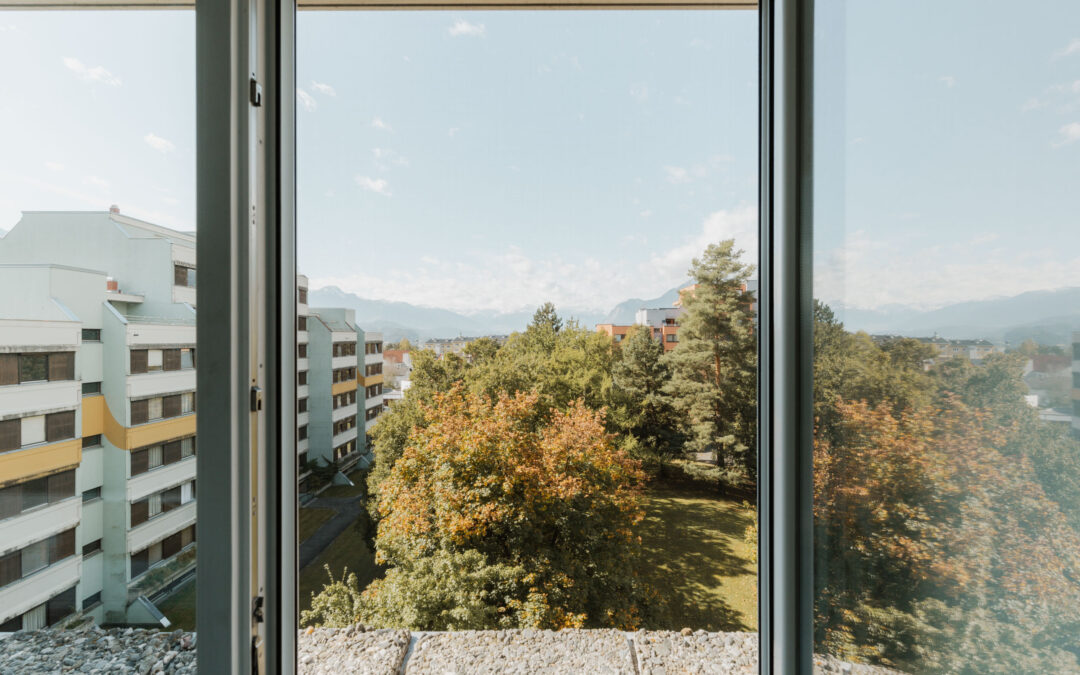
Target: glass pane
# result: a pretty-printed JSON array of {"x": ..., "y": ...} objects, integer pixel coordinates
[
  {"x": 482, "y": 218},
  {"x": 97, "y": 206},
  {"x": 946, "y": 469}
]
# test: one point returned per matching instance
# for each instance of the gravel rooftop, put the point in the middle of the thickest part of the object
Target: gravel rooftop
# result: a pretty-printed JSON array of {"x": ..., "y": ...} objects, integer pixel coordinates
[{"x": 322, "y": 651}]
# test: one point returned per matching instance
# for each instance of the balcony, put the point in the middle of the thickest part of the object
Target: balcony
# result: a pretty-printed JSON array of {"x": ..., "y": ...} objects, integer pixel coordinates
[
  {"x": 39, "y": 523},
  {"x": 344, "y": 437},
  {"x": 39, "y": 460},
  {"x": 25, "y": 333},
  {"x": 161, "y": 478},
  {"x": 343, "y": 412},
  {"x": 35, "y": 589},
  {"x": 38, "y": 397},
  {"x": 342, "y": 362},
  {"x": 372, "y": 358},
  {"x": 160, "y": 382},
  {"x": 159, "y": 527}
]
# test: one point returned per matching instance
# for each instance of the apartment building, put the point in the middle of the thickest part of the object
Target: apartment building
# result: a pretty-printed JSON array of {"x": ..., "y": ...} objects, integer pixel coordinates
[
  {"x": 97, "y": 417},
  {"x": 303, "y": 417},
  {"x": 372, "y": 380},
  {"x": 331, "y": 404}
]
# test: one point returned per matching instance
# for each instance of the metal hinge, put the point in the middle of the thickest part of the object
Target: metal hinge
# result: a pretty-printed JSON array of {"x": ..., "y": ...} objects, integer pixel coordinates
[
  {"x": 256, "y": 93},
  {"x": 256, "y": 399},
  {"x": 257, "y": 609}
]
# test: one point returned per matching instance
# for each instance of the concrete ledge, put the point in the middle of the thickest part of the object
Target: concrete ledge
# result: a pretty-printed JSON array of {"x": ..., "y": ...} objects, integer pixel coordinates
[{"x": 521, "y": 651}]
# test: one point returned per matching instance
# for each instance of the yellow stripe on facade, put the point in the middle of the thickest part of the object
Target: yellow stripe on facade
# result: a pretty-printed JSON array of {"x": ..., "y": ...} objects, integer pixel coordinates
[
  {"x": 342, "y": 387},
  {"x": 370, "y": 380},
  {"x": 93, "y": 415},
  {"x": 21, "y": 465},
  {"x": 129, "y": 438}
]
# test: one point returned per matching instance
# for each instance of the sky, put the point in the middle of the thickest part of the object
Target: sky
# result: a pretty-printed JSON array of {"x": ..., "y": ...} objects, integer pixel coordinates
[{"x": 496, "y": 160}]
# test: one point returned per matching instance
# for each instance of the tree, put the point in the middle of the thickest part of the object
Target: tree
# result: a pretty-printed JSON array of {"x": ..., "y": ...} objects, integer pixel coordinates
[
  {"x": 404, "y": 345},
  {"x": 545, "y": 318},
  {"x": 714, "y": 366},
  {"x": 640, "y": 377},
  {"x": 480, "y": 350},
  {"x": 534, "y": 510}
]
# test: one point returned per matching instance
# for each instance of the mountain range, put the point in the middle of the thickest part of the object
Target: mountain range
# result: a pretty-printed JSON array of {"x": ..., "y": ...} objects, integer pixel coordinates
[
  {"x": 1049, "y": 317},
  {"x": 396, "y": 320}
]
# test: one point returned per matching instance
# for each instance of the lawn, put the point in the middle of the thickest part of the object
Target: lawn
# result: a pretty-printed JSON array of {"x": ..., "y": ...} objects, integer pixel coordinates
[
  {"x": 698, "y": 560},
  {"x": 348, "y": 550},
  {"x": 357, "y": 477},
  {"x": 180, "y": 607},
  {"x": 311, "y": 519}
]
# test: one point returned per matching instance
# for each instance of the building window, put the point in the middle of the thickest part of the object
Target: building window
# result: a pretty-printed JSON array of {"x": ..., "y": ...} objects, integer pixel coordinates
[
  {"x": 139, "y": 360},
  {"x": 183, "y": 276},
  {"x": 33, "y": 367},
  {"x": 187, "y": 358},
  {"x": 301, "y": 433},
  {"x": 301, "y": 350},
  {"x": 91, "y": 441},
  {"x": 154, "y": 359},
  {"x": 91, "y": 388},
  {"x": 60, "y": 426},
  {"x": 301, "y": 323},
  {"x": 154, "y": 408},
  {"x": 91, "y": 494},
  {"x": 33, "y": 430},
  {"x": 10, "y": 434},
  {"x": 373, "y": 369},
  {"x": 170, "y": 359},
  {"x": 302, "y": 296},
  {"x": 373, "y": 412},
  {"x": 91, "y": 335},
  {"x": 301, "y": 405},
  {"x": 91, "y": 600},
  {"x": 15, "y": 499},
  {"x": 301, "y": 377},
  {"x": 672, "y": 337},
  {"x": 91, "y": 548}
]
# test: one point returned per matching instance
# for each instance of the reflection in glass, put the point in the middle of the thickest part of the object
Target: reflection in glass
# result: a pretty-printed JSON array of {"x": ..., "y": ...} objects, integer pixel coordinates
[{"x": 946, "y": 468}]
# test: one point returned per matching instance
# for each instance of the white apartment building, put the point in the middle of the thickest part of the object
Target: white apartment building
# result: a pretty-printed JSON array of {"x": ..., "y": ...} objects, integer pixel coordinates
[
  {"x": 372, "y": 380},
  {"x": 97, "y": 409},
  {"x": 1076, "y": 383},
  {"x": 334, "y": 431}
]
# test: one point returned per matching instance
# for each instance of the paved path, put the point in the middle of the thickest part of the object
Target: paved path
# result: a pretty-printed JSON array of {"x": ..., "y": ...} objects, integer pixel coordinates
[{"x": 348, "y": 510}]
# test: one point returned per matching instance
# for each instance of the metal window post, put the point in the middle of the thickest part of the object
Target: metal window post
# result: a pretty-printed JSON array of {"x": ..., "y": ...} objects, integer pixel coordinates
[
  {"x": 246, "y": 597},
  {"x": 785, "y": 389}
]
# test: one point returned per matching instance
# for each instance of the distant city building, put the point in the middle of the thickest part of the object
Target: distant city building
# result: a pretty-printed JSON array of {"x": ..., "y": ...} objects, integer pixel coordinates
[
  {"x": 442, "y": 346},
  {"x": 974, "y": 350},
  {"x": 397, "y": 369},
  {"x": 372, "y": 381},
  {"x": 663, "y": 322}
]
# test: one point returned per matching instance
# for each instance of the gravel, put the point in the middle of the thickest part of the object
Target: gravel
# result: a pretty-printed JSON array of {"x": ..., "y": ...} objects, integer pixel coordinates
[
  {"x": 322, "y": 651},
  {"x": 668, "y": 653},
  {"x": 93, "y": 650},
  {"x": 522, "y": 651}
]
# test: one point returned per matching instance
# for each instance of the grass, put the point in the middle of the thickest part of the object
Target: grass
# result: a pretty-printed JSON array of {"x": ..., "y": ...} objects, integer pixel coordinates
[
  {"x": 697, "y": 559},
  {"x": 348, "y": 550},
  {"x": 180, "y": 607},
  {"x": 311, "y": 519},
  {"x": 357, "y": 477}
]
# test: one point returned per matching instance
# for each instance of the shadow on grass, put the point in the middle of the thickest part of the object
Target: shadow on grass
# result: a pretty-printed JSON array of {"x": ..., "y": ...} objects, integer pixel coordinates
[{"x": 697, "y": 560}]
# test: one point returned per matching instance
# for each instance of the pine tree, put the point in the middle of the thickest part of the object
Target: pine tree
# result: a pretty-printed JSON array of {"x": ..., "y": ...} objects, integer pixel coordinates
[
  {"x": 640, "y": 377},
  {"x": 714, "y": 367}
]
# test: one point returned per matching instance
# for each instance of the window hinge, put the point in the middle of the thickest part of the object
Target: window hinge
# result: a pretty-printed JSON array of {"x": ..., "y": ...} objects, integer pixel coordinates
[
  {"x": 256, "y": 93},
  {"x": 256, "y": 399},
  {"x": 257, "y": 609}
]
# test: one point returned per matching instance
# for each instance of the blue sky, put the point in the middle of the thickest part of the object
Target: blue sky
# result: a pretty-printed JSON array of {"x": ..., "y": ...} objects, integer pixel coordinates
[{"x": 483, "y": 160}]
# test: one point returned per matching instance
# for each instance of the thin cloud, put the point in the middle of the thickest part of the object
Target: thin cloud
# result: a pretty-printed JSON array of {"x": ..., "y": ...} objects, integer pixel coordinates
[
  {"x": 158, "y": 143},
  {"x": 87, "y": 74},
  {"x": 323, "y": 88},
  {"x": 54, "y": 166},
  {"x": 306, "y": 100},
  {"x": 462, "y": 27},
  {"x": 378, "y": 185},
  {"x": 1069, "y": 49},
  {"x": 377, "y": 123},
  {"x": 676, "y": 174},
  {"x": 1068, "y": 134}
]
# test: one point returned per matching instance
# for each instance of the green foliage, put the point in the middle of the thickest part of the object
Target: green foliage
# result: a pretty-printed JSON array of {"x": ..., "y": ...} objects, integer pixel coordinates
[
  {"x": 480, "y": 350},
  {"x": 543, "y": 498},
  {"x": 714, "y": 380},
  {"x": 648, "y": 412},
  {"x": 945, "y": 513}
]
